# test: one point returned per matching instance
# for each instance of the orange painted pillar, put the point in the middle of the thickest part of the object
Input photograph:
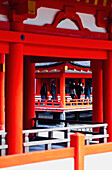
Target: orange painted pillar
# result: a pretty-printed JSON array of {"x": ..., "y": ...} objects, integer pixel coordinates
[
  {"x": 108, "y": 94},
  {"x": 77, "y": 141},
  {"x": 97, "y": 83},
  {"x": 62, "y": 88},
  {"x": 14, "y": 94},
  {"x": 2, "y": 88},
  {"x": 29, "y": 93},
  {"x": 38, "y": 86}
]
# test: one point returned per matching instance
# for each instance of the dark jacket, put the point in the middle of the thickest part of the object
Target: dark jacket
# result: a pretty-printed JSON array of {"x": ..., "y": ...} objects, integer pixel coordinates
[
  {"x": 43, "y": 90},
  {"x": 79, "y": 89},
  {"x": 53, "y": 89}
]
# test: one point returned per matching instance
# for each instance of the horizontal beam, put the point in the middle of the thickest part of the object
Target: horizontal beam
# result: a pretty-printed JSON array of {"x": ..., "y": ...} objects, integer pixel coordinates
[
  {"x": 35, "y": 29},
  {"x": 50, "y": 30},
  {"x": 84, "y": 6},
  {"x": 67, "y": 75},
  {"x": 61, "y": 41},
  {"x": 57, "y": 46},
  {"x": 52, "y": 40},
  {"x": 64, "y": 52},
  {"x": 34, "y": 157},
  {"x": 38, "y": 59},
  {"x": 78, "y": 75},
  {"x": 47, "y": 75}
]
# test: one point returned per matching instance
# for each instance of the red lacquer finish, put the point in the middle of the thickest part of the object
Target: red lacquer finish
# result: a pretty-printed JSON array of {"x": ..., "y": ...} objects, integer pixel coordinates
[
  {"x": 14, "y": 96},
  {"x": 2, "y": 90},
  {"x": 97, "y": 78},
  {"x": 29, "y": 93},
  {"x": 62, "y": 88},
  {"x": 108, "y": 94}
]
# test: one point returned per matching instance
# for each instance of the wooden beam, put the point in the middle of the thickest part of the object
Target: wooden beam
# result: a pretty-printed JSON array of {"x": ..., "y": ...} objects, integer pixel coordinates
[
  {"x": 57, "y": 31},
  {"x": 64, "y": 52},
  {"x": 48, "y": 75},
  {"x": 52, "y": 40},
  {"x": 58, "y": 46},
  {"x": 67, "y": 75},
  {"x": 84, "y": 6}
]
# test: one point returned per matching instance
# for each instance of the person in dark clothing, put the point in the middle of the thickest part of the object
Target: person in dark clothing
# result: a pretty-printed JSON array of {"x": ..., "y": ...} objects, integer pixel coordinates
[
  {"x": 79, "y": 89},
  {"x": 43, "y": 91},
  {"x": 88, "y": 85},
  {"x": 53, "y": 90},
  {"x": 72, "y": 90}
]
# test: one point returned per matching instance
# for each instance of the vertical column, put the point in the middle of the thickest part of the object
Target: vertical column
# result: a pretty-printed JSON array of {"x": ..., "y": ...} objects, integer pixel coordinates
[
  {"x": 38, "y": 86},
  {"x": 97, "y": 80},
  {"x": 77, "y": 141},
  {"x": 108, "y": 94},
  {"x": 29, "y": 93},
  {"x": 14, "y": 94},
  {"x": 14, "y": 98},
  {"x": 2, "y": 88},
  {"x": 62, "y": 88}
]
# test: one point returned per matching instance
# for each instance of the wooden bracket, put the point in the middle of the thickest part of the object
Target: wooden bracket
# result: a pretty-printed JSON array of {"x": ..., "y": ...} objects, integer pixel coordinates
[{"x": 68, "y": 13}]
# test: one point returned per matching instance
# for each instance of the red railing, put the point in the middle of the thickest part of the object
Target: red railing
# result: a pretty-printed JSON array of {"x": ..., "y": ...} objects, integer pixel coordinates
[
  {"x": 78, "y": 103},
  {"x": 68, "y": 103},
  {"x": 47, "y": 103}
]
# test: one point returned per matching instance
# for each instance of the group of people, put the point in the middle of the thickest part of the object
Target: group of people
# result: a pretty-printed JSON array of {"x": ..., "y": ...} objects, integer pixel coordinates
[
  {"x": 43, "y": 90},
  {"x": 72, "y": 89},
  {"x": 75, "y": 90}
]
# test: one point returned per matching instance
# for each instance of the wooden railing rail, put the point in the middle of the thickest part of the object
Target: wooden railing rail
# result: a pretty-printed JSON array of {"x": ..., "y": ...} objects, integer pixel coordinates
[
  {"x": 47, "y": 103},
  {"x": 79, "y": 103},
  {"x": 50, "y": 140},
  {"x": 78, "y": 150},
  {"x": 38, "y": 120},
  {"x": 68, "y": 103}
]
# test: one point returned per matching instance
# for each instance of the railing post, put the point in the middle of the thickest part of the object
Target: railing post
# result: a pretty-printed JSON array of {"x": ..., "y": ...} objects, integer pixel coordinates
[
  {"x": 77, "y": 141},
  {"x": 26, "y": 140},
  {"x": 66, "y": 132},
  {"x": 48, "y": 146},
  {"x": 50, "y": 134},
  {"x": 3, "y": 151},
  {"x": 103, "y": 130}
]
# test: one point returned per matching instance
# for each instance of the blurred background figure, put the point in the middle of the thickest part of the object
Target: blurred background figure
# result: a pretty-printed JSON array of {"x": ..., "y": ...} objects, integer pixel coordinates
[
  {"x": 53, "y": 90},
  {"x": 72, "y": 90},
  {"x": 43, "y": 91},
  {"x": 79, "y": 90},
  {"x": 88, "y": 85}
]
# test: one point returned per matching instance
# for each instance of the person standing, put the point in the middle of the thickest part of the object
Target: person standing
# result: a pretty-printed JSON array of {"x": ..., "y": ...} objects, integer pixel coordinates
[
  {"x": 43, "y": 91},
  {"x": 53, "y": 90},
  {"x": 79, "y": 89},
  {"x": 72, "y": 90},
  {"x": 88, "y": 85}
]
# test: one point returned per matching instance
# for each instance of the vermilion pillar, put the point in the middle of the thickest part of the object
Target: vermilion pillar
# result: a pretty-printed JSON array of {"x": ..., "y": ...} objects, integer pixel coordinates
[
  {"x": 108, "y": 94},
  {"x": 38, "y": 86},
  {"x": 14, "y": 96},
  {"x": 62, "y": 88},
  {"x": 97, "y": 81},
  {"x": 29, "y": 93},
  {"x": 2, "y": 88}
]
